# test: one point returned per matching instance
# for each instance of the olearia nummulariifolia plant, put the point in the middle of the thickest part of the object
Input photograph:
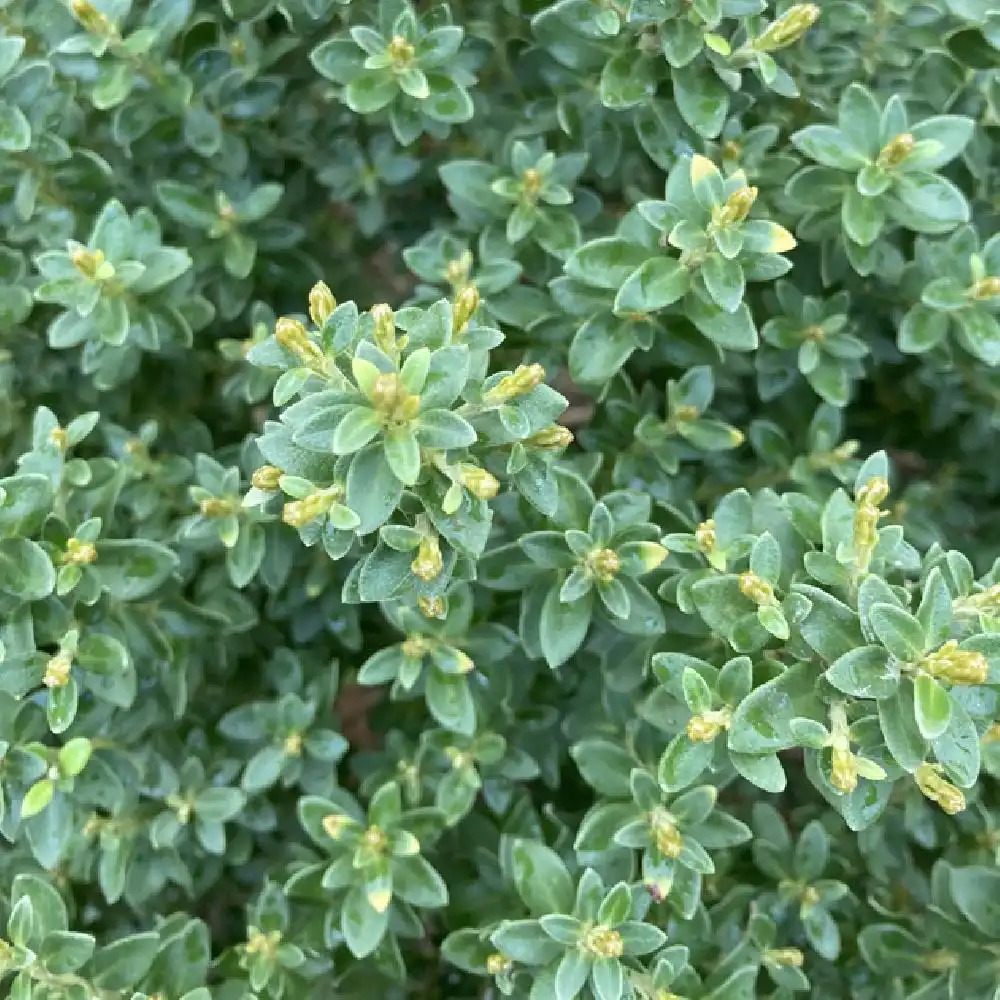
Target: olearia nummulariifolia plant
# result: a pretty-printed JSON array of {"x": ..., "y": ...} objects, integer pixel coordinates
[{"x": 498, "y": 500}]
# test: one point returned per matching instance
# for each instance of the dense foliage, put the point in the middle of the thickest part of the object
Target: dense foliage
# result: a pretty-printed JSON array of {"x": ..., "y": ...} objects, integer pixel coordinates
[{"x": 499, "y": 499}]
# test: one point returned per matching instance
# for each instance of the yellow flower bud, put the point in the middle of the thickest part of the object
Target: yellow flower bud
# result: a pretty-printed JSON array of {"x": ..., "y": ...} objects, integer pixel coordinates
[
  {"x": 416, "y": 647},
  {"x": 521, "y": 381},
  {"x": 497, "y": 964},
  {"x": 940, "y": 960},
  {"x": 789, "y": 28},
  {"x": 459, "y": 759},
  {"x": 293, "y": 744},
  {"x": 844, "y": 770},
  {"x": 651, "y": 555},
  {"x": 334, "y": 824},
  {"x": 466, "y": 303},
  {"x": 737, "y": 207},
  {"x": 603, "y": 942},
  {"x": 786, "y": 956},
  {"x": 960, "y": 666},
  {"x": 810, "y": 896},
  {"x": 87, "y": 262},
  {"x": 685, "y": 413},
  {"x": 400, "y": 51},
  {"x": 259, "y": 943},
  {"x": 481, "y": 484},
  {"x": 432, "y": 607},
  {"x": 604, "y": 564},
  {"x": 457, "y": 271},
  {"x": 531, "y": 184},
  {"x": 91, "y": 18},
  {"x": 266, "y": 477},
  {"x": 874, "y": 491},
  {"x": 321, "y": 303},
  {"x": 896, "y": 152},
  {"x": 552, "y": 438},
  {"x": 429, "y": 562},
  {"x": 57, "y": 670},
  {"x": 846, "y": 451},
  {"x": 666, "y": 836},
  {"x": 375, "y": 839},
  {"x": 385, "y": 327},
  {"x": 756, "y": 588},
  {"x": 59, "y": 438},
  {"x": 290, "y": 333},
  {"x": 705, "y": 535},
  {"x": 79, "y": 553},
  {"x": 987, "y": 288},
  {"x": 983, "y": 600},
  {"x": 390, "y": 398},
  {"x": 705, "y": 727},
  {"x": 215, "y": 507},
  {"x": 294, "y": 338},
  {"x": 938, "y": 789},
  {"x": 298, "y": 513}
]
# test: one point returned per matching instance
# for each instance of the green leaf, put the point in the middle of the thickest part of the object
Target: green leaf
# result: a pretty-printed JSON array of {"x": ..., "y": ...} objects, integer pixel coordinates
[
  {"x": 132, "y": 570},
  {"x": 979, "y": 333},
  {"x": 373, "y": 489},
  {"x": 541, "y": 877},
  {"x": 525, "y": 941},
  {"x": 828, "y": 145},
  {"x": 355, "y": 430},
  {"x": 101, "y": 654},
  {"x": 370, "y": 91},
  {"x": 859, "y": 118},
  {"x": 450, "y": 701},
  {"x": 933, "y": 706},
  {"x": 65, "y": 951},
  {"x": 762, "y": 721},
  {"x": 36, "y": 798},
  {"x": 442, "y": 429},
  {"x": 863, "y": 217},
  {"x": 927, "y": 203},
  {"x": 402, "y": 452},
  {"x": 656, "y": 284},
  {"x": 121, "y": 964},
  {"x": 15, "y": 131},
  {"x": 60, "y": 709},
  {"x": 976, "y": 891},
  {"x": 923, "y": 329},
  {"x": 605, "y": 766},
  {"x": 608, "y": 262},
  {"x": 957, "y": 749},
  {"x": 363, "y": 926},
  {"x": 724, "y": 281},
  {"x": 600, "y": 348},
  {"x": 865, "y": 672},
  {"x": 574, "y": 968},
  {"x": 448, "y": 102},
  {"x": 25, "y": 570},
  {"x": 702, "y": 99},
  {"x": 733, "y": 331},
  {"x": 683, "y": 762},
  {"x": 608, "y": 979},
  {"x": 563, "y": 627},
  {"x": 216, "y": 805},
  {"x": 898, "y": 631},
  {"x": 897, "y": 719}
]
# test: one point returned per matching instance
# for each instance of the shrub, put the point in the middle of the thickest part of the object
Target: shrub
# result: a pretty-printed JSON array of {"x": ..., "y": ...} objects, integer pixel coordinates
[{"x": 499, "y": 500}]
